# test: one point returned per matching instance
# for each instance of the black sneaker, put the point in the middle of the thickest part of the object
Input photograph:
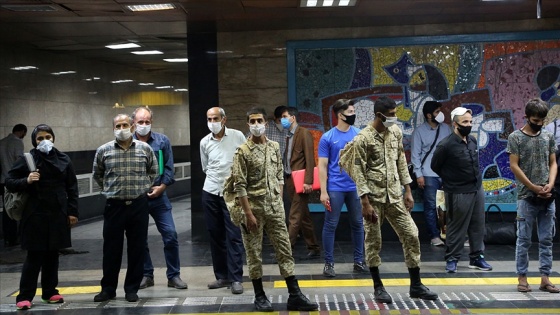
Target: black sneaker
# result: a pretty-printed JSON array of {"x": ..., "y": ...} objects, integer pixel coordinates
[
  {"x": 360, "y": 266},
  {"x": 328, "y": 270}
]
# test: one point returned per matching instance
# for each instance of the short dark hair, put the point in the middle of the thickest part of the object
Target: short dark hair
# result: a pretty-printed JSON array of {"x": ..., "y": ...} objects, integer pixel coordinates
[
  {"x": 430, "y": 107},
  {"x": 41, "y": 127},
  {"x": 536, "y": 107},
  {"x": 278, "y": 111},
  {"x": 341, "y": 105},
  {"x": 256, "y": 110},
  {"x": 19, "y": 127},
  {"x": 384, "y": 104},
  {"x": 293, "y": 111}
]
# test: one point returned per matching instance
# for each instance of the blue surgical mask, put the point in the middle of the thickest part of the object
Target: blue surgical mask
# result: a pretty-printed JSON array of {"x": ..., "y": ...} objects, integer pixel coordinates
[{"x": 285, "y": 122}]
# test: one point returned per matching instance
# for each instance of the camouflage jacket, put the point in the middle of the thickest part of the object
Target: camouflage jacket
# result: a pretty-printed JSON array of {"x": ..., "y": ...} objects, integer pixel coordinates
[{"x": 376, "y": 162}]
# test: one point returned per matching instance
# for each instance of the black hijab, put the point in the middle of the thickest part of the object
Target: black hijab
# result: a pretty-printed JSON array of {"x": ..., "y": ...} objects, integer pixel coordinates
[{"x": 55, "y": 158}]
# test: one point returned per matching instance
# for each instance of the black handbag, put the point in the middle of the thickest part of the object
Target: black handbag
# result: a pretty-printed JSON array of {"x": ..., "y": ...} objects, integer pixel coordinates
[
  {"x": 414, "y": 184},
  {"x": 499, "y": 232}
]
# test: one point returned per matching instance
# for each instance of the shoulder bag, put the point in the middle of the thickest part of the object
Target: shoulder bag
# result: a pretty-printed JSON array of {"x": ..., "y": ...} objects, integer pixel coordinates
[{"x": 15, "y": 202}]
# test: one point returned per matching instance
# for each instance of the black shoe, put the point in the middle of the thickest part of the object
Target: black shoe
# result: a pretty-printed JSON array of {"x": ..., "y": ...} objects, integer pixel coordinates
[
  {"x": 328, "y": 270},
  {"x": 104, "y": 296},
  {"x": 262, "y": 304},
  {"x": 236, "y": 287},
  {"x": 221, "y": 283},
  {"x": 360, "y": 267},
  {"x": 313, "y": 254},
  {"x": 131, "y": 297},
  {"x": 422, "y": 292},
  {"x": 381, "y": 296},
  {"x": 177, "y": 283},
  {"x": 299, "y": 302},
  {"x": 146, "y": 282}
]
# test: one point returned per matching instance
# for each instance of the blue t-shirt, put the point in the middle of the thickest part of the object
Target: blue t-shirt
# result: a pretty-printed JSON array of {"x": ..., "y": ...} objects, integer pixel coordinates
[{"x": 330, "y": 145}]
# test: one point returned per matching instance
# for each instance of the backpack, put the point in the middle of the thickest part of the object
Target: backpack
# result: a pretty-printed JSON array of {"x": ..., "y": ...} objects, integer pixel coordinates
[{"x": 15, "y": 202}]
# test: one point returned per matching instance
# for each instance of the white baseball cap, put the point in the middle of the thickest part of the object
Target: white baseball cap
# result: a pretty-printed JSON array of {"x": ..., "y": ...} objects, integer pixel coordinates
[{"x": 459, "y": 111}]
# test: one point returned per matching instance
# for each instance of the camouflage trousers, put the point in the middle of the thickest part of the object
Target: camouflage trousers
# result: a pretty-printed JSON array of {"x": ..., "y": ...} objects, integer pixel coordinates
[
  {"x": 401, "y": 221},
  {"x": 271, "y": 220}
]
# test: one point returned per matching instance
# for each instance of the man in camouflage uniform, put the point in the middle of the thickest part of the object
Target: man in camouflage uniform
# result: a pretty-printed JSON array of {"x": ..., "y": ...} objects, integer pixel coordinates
[
  {"x": 258, "y": 178},
  {"x": 375, "y": 160}
]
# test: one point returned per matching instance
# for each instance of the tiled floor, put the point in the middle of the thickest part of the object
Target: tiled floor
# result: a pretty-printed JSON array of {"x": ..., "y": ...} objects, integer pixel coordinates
[{"x": 464, "y": 292}]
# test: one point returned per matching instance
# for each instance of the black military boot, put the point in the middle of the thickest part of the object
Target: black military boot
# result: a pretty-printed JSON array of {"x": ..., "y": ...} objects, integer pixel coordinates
[
  {"x": 381, "y": 296},
  {"x": 297, "y": 301},
  {"x": 262, "y": 304},
  {"x": 417, "y": 289}
]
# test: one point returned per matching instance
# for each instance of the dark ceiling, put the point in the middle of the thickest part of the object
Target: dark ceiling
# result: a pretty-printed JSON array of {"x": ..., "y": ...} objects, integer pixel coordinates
[{"x": 84, "y": 27}]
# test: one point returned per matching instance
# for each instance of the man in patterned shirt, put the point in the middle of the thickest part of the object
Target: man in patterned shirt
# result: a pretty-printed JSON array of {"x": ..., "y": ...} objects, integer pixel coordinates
[
  {"x": 375, "y": 160},
  {"x": 276, "y": 131},
  {"x": 125, "y": 170},
  {"x": 258, "y": 181}
]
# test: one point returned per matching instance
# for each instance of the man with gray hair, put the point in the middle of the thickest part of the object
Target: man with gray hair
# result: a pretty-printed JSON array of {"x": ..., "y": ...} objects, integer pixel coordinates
[
  {"x": 125, "y": 169},
  {"x": 456, "y": 162},
  {"x": 216, "y": 155}
]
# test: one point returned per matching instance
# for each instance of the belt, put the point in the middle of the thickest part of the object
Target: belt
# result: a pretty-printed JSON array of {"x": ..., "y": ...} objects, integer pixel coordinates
[{"x": 126, "y": 202}]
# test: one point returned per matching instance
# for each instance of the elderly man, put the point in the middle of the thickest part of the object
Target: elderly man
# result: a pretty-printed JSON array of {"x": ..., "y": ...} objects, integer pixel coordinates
[
  {"x": 125, "y": 169},
  {"x": 226, "y": 245},
  {"x": 375, "y": 160},
  {"x": 160, "y": 207}
]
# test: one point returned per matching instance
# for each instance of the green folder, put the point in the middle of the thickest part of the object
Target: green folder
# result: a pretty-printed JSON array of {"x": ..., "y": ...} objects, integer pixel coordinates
[{"x": 160, "y": 162}]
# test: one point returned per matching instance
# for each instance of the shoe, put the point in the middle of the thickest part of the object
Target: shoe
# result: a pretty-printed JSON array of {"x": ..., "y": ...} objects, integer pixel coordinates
[
  {"x": 381, "y": 296},
  {"x": 104, "y": 296},
  {"x": 23, "y": 305},
  {"x": 451, "y": 266},
  {"x": 262, "y": 304},
  {"x": 422, "y": 292},
  {"x": 436, "y": 241},
  {"x": 550, "y": 288},
  {"x": 313, "y": 254},
  {"x": 328, "y": 270},
  {"x": 236, "y": 287},
  {"x": 57, "y": 298},
  {"x": 176, "y": 283},
  {"x": 524, "y": 288},
  {"x": 480, "y": 264},
  {"x": 360, "y": 266},
  {"x": 299, "y": 302},
  {"x": 146, "y": 282},
  {"x": 220, "y": 283},
  {"x": 131, "y": 297}
]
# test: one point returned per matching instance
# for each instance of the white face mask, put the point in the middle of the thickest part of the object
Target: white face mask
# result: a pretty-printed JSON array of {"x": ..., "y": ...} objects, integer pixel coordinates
[
  {"x": 389, "y": 121},
  {"x": 257, "y": 130},
  {"x": 45, "y": 146},
  {"x": 215, "y": 127},
  {"x": 143, "y": 129},
  {"x": 122, "y": 134},
  {"x": 440, "y": 118}
]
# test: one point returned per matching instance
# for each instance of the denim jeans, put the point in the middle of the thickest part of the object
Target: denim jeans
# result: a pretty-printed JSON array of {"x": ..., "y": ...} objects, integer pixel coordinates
[
  {"x": 527, "y": 214},
  {"x": 160, "y": 210},
  {"x": 352, "y": 201},
  {"x": 431, "y": 184}
]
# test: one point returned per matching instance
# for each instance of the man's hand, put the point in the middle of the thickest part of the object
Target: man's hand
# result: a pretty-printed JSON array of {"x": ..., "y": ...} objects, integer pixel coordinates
[
  {"x": 368, "y": 212},
  {"x": 408, "y": 200},
  {"x": 252, "y": 223},
  {"x": 156, "y": 191},
  {"x": 546, "y": 191},
  {"x": 325, "y": 200},
  {"x": 421, "y": 182},
  {"x": 307, "y": 189},
  {"x": 72, "y": 220}
]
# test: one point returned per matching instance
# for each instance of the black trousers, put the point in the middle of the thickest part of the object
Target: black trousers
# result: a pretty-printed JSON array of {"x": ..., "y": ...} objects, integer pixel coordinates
[
  {"x": 45, "y": 262},
  {"x": 122, "y": 218},
  {"x": 9, "y": 226}
]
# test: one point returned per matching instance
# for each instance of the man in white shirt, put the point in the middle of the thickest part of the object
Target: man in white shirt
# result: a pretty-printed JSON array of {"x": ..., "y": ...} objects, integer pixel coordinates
[
  {"x": 11, "y": 147},
  {"x": 216, "y": 155}
]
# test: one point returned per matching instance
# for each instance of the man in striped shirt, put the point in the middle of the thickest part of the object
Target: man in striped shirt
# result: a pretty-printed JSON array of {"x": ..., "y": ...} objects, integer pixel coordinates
[{"x": 125, "y": 169}]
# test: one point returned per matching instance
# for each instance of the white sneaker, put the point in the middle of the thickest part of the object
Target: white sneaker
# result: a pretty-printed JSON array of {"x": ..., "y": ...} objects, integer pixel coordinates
[{"x": 436, "y": 241}]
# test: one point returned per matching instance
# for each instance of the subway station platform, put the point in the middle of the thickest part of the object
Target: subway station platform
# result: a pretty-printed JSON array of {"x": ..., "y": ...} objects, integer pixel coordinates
[{"x": 466, "y": 292}]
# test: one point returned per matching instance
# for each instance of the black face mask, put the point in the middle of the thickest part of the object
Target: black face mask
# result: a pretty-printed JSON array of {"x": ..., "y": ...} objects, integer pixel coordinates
[
  {"x": 350, "y": 119},
  {"x": 534, "y": 127},
  {"x": 464, "y": 130}
]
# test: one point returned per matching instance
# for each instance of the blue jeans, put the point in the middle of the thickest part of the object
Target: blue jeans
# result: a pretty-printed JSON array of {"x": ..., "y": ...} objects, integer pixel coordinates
[
  {"x": 430, "y": 212},
  {"x": 527, "y": 213},
  {"x": 160, "y": 210},
  {"x": 352, "y": 201}
]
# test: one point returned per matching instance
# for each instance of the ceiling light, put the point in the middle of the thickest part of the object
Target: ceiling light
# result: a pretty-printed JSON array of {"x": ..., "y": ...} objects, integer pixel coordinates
[
  {"x": 123, "y": 46},
  {"x": 147, "y": 52},
  {"x": 177, "y": 60},
  {"x": 24, "y": 68},
  {"x": 63, "y": 72},
  {"x": 122, "y": 81},
  {"x": 91, "y": 79},
  {"x": 164, "y": 87},
  {"x": 146, "y": 84},
  {"x": 181, "y": 90},
  {"x": 150, "y": 7},
  {"x": 326, "y": 3}
]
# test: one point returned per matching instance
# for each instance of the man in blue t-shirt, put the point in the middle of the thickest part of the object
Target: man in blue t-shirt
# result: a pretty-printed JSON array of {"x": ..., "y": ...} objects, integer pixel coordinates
[{"x": 337, "y": 188}]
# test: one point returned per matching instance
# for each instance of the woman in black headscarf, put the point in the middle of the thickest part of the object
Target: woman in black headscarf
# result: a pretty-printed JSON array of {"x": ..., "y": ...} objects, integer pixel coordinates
[{"x": 52, "y": 209}]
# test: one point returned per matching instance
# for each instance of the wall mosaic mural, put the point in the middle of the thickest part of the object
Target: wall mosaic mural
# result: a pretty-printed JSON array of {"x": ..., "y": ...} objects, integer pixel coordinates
[{"x": 492, "y": 77}]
